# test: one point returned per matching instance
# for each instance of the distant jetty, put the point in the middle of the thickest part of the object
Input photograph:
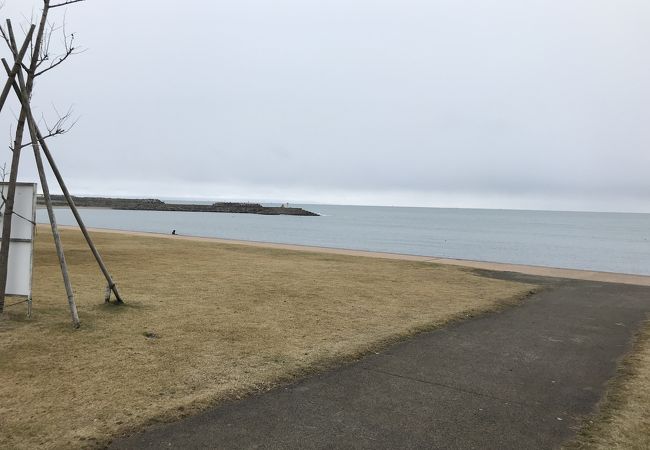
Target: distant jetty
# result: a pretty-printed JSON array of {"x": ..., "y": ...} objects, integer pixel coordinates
[{"x": 148, "y": 204}]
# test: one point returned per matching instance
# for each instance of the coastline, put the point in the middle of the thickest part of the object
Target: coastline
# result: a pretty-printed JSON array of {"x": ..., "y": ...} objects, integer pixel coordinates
[
  {"x": 205, "y": 323},
  {"x": 154, "y": 204},
  {"x": 236, "y": 318},
  {"x": 555, "y": 272}
]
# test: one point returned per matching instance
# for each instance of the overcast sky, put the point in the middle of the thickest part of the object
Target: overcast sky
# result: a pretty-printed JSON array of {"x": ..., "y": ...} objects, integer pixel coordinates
[{"x": 535, "y": 104}]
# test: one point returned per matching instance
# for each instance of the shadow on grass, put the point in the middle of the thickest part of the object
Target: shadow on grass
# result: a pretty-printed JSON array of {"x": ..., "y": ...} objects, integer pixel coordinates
[{"x": 118, "y": 308}]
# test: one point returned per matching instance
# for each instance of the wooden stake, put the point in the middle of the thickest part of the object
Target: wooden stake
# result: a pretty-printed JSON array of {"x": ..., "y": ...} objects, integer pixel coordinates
[
  {"x": 55, "y": 229},
  {"x": 17, "y": 63},
  {"x": 75, "y": 212},
  {"x": 73, "y": 207}
]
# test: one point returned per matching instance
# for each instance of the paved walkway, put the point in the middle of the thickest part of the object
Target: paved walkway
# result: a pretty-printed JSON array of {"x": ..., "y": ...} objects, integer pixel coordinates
[{"x": 521, "y": 378}]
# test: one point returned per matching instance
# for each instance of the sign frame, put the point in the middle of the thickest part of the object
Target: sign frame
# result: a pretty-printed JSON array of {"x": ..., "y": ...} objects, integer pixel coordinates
[{"x": 22, "y": 237}]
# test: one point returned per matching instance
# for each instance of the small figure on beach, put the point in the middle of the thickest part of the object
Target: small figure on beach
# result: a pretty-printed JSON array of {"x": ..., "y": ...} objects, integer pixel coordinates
[{"x": 173, "y": 232}]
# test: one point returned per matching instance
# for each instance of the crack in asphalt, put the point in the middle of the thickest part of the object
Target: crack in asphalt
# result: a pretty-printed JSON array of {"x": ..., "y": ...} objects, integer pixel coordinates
[{"x": 447, "y": 386}]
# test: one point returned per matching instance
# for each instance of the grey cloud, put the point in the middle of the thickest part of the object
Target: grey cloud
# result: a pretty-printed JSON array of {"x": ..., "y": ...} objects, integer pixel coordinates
[{"x": 477, "y": 99}]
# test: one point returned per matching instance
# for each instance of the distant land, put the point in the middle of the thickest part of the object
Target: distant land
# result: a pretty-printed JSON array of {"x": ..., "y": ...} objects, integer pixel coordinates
[{"x": 149, "y": 204}]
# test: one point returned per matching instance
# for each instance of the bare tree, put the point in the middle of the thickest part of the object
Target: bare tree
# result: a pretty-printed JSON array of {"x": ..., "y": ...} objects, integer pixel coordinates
[{"x": 41, "y": 61}]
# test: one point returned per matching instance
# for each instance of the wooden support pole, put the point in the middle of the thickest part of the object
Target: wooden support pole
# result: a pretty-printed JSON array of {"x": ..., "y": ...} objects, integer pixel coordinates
[
  {"x": 75, "y": 212},
  {"x": 55, "y": 229},
  {"x": 17, "y": 64},
  {"x": 31, "y": 123}
]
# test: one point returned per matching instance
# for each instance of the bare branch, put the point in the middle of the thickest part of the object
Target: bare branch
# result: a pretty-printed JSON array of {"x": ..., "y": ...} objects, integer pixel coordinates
[
  {"x": 6, "y": 38},
  {"x": 3, "y": 177},
  {"x": 59, "y": 127},
  {"x": 68, "y": 2},
  {"x": 12, "y": 48},
  {"x": 11, "y": 133},
  {"x": 44, "y": 51},
  {"x": 3, "y": 174},
  {"x": 68, "y": 43}
]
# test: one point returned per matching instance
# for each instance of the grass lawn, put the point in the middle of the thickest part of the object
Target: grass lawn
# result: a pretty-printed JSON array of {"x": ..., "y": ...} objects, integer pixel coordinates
[
  {"x": 223, "y": 321},
  {"x": 624, "y": 418}
]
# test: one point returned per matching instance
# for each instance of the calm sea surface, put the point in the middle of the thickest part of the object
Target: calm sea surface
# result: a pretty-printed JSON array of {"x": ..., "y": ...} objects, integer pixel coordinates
[{"x": 610, "y": 242}]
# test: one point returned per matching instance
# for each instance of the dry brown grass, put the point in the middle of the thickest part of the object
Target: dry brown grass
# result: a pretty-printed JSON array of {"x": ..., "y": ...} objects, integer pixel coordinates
[
  {"x": 230, "y": 320},
  {"x": 624, "y": 418}
]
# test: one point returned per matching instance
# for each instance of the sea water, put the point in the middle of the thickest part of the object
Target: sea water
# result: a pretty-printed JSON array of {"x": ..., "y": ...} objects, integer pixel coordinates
[{"x": 612, "y": 242}]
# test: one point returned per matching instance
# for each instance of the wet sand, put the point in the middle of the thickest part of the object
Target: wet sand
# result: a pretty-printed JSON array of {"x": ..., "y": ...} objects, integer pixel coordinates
[{"x": 575, "y": 274}]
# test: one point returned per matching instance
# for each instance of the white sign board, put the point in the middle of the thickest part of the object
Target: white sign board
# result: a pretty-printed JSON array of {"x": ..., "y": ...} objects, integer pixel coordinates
[{"x": 19, "y": 272}]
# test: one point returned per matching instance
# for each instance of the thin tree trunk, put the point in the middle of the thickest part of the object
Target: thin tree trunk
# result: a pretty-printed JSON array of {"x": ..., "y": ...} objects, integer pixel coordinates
[
  {"x": 15, "y": 160},
  {"x": 9, "y": 208}
]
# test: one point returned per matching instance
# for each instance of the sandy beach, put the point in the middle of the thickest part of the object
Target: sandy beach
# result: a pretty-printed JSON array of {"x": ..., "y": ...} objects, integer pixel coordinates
[{"x": 574, "y": 274}]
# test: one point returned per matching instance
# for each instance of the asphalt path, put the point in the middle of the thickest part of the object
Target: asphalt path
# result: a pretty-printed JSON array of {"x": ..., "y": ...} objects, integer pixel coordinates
[{"x": 521, "y": 378}]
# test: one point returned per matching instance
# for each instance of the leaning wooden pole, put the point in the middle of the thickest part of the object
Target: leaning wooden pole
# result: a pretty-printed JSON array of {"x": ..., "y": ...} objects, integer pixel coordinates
[
  {"x": 73, "y": 207},
  {"x": 75, "y": 212},
  {"x": 53, "y": 224},
  {"x": 55, "y": 229},
  {"x": 17, "y": 65}
]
